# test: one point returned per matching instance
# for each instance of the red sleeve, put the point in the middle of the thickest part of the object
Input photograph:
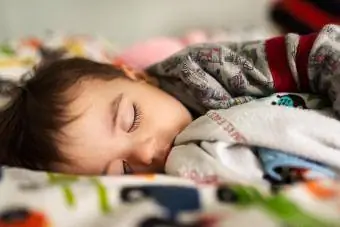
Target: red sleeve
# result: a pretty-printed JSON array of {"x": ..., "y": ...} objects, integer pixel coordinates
[{"x": 278, "y": 61}]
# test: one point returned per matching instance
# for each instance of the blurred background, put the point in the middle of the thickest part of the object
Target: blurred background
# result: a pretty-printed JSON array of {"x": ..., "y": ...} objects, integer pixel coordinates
[
  {"x": 127, "y": 21},
  {"x": 139, "y": 33}
]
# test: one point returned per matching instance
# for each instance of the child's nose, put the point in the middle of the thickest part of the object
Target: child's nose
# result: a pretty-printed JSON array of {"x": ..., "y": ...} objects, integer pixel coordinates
[{"x": 144, "y": 151}]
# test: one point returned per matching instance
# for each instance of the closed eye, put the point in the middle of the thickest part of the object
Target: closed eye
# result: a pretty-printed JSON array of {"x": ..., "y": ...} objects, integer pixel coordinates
[
  {"x": 127, "y": 168},
  {"x": 137, "y": 116}
]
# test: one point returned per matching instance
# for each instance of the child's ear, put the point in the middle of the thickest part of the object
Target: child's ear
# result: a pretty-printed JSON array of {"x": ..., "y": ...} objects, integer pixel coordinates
[
  {"x": 138, "y": 75},
  {"x": 129, "y": 72}
]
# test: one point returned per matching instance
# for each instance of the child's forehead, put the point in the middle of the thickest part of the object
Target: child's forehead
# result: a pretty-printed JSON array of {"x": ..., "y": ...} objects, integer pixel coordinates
[
  {"x": 91, "y": 92},
  {"x": 89, "y": 100},
  {"x": 90, "y": 86}
]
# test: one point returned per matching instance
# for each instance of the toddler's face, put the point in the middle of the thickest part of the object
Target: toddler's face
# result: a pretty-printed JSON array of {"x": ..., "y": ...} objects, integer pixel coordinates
[{"x": 122, "y": 124}]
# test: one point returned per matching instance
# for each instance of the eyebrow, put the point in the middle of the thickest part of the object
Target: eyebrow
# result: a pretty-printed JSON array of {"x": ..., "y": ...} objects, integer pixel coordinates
[
  {"x": 114, "y": 107},
  {"x": 113, "y": 115}
]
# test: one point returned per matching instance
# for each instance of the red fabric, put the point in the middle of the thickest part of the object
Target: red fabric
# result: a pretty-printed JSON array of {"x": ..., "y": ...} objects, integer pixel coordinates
[
  {"x": 303, "y": 51},
  {"x": 278, "y": 65},
  {"x": 309, "y": 14}
]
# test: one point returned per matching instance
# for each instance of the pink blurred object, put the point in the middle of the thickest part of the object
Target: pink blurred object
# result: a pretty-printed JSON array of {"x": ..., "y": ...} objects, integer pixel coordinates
[
  {"x": 143, "y": 54},
  {"x": 195, "y": 36}
]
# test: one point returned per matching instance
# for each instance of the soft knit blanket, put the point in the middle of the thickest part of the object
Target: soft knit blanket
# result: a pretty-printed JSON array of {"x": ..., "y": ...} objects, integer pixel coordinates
[{"x": 224, "y": 82}]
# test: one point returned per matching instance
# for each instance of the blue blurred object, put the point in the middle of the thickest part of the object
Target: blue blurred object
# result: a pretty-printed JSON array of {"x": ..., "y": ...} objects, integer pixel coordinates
[
  {"x": 175, "y": 199},
  {"x": 274, "y": 160}
]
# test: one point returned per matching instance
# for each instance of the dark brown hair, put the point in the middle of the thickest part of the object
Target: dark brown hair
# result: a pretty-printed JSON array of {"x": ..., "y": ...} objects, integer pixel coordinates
[{"x": 30, "y": 125}]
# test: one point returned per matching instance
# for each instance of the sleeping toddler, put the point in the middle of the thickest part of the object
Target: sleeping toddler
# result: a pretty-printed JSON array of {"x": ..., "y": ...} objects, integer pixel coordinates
[{"x": 215, "y": 111}]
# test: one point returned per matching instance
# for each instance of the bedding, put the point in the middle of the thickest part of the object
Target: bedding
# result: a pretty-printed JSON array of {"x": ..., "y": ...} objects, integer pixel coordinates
[
  {"x": 234, "y": 87},
  {"x": 40, "y": 199},
  {"x": 244, "y": 143},
  {"x": 19, "y": 56}
]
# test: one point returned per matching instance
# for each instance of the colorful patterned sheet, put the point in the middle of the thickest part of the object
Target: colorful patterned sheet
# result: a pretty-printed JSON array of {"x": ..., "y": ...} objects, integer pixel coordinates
[
  {"x": 40, "y": 199},
  {"x": 19, "y": 56}
]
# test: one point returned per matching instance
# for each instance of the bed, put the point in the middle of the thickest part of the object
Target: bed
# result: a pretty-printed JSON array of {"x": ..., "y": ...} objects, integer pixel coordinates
[{"x": 40, "y": 199}]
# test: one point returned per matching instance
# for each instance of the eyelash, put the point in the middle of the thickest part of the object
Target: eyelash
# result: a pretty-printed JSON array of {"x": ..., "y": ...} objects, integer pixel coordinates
[
  {"x": 136, "y": 118},
  {"x": 126, "y": 168}
]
